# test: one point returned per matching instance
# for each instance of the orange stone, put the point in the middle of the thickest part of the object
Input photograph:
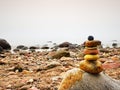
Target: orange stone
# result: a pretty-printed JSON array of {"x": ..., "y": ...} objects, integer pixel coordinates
[
  {"x": 93, "y": 67},
  {"x": 93, "y": 52}
]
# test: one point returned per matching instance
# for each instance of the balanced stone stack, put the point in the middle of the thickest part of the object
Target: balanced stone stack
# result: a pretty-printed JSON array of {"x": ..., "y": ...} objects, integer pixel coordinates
[
  {"x": 88, "y": 76},
  {"x": 90, "y": 63}
]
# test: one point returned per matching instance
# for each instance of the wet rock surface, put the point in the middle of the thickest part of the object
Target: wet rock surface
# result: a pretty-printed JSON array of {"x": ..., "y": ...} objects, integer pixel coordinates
[{"x": 26, "y": 70}]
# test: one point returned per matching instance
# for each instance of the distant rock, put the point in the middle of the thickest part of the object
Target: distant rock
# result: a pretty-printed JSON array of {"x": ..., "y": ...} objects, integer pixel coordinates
[
  {"x": 5, "y": 45},
  {"x": 64, "y": 44},
  {"x": 104, "y": 50},
  {"x": 33, "y": 47},
  {"x": 73, "y": 46},
  {"x": 22, "y": 47},
  {"x": 44, "y": 47},
  {"x": 16, "y": 50}
]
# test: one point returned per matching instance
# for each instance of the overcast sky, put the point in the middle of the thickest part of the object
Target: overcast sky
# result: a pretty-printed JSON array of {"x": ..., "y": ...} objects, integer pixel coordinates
[{"x": 38, "y": 21}]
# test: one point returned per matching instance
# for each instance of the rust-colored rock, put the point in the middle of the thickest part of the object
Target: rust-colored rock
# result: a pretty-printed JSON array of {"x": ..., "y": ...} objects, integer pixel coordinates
[{"x": 93, "y": 52}]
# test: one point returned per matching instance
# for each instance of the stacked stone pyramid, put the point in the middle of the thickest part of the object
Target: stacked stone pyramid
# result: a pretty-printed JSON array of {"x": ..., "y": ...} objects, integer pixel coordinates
[
  {"x": 77, "y": 78},
  {"x": 91, "y": 64}
]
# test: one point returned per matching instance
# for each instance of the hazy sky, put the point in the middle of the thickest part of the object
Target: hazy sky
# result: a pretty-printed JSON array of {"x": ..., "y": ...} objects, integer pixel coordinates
[{"x": 38, "y": 21}]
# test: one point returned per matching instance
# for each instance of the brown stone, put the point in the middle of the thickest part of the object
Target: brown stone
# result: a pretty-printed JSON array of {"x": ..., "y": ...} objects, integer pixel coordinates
[
  {"x": 64, "y": 44},
  {"x": 93, "y": 43}
]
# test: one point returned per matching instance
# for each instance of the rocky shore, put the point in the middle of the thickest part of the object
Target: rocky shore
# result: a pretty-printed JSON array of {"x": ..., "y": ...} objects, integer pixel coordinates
[{"x": 23, "y": 69}]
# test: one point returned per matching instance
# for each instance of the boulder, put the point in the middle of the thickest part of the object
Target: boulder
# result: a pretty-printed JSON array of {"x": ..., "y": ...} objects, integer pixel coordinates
[
  {"x": 76, "y": 79},
  {"x": 5, "y": 45}
]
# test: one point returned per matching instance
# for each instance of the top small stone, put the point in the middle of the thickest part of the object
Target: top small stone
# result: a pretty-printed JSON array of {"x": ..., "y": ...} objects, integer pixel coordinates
[{"x": 90, "y": 38}]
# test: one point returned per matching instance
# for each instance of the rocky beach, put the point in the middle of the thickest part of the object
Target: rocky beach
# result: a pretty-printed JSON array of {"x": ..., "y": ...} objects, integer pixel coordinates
[{"x": 34, "y": 68}]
